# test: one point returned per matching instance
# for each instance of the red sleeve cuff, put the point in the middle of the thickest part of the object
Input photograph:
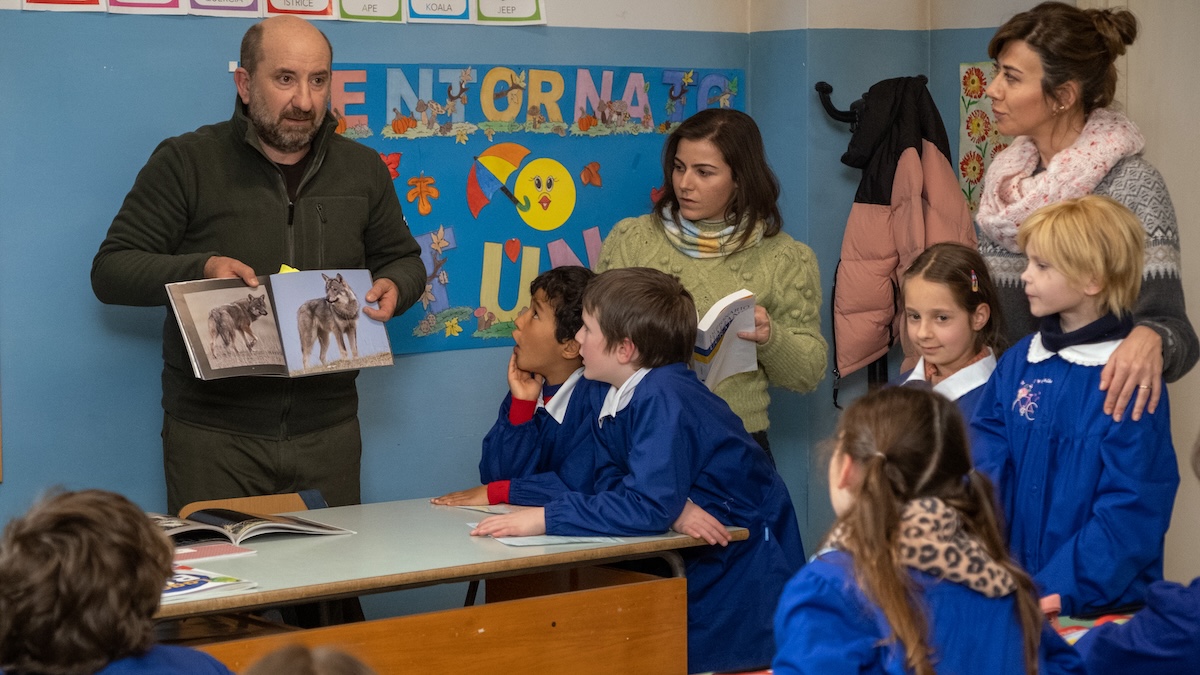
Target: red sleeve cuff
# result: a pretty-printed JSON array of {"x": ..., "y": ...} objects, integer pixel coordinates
[
  {"x": 521, "y": 411},
  {"x": 498, "y": 492}
]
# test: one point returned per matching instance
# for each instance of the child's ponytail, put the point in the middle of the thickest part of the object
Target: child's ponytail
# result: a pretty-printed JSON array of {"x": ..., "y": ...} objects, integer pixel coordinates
[
  {"x": 872, "y": 528},
  {"x": 912, "y": 444}
]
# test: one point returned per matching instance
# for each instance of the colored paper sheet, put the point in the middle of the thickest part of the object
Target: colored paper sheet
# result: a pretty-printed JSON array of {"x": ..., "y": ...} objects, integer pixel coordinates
[
  {"x": 371, "y": 10},
  {"x": 147, "y": 7},
  {"x": 66, "y": 5},
  {"x": 240, "y": 8},
  {"x": 439, "y": 11},
  {"x": 309, "y": 9},
  {"x": 511, "y": 12},
  {"x": 10, "y": 4}
]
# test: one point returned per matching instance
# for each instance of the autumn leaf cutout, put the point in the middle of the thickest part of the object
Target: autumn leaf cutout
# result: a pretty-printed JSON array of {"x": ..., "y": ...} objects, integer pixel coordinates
[
  {"x": 591, "y": 174},
  {"x": 422, "y": 191},
  {"x": 392, "y": 160}
]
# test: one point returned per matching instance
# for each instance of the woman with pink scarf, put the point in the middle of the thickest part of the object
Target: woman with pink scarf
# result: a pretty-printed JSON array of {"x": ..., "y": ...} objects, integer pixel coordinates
[{"x": 1054, "y": 82}]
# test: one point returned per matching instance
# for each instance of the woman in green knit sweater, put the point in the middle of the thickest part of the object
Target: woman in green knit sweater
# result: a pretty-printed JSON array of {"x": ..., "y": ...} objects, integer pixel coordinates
[{"x": 717, "y": 227}]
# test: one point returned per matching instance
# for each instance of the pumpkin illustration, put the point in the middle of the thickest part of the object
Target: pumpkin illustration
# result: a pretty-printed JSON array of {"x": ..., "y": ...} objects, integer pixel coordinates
[
  {"x": 587, "y": 122},
  {"x": 402, "y": 123}
]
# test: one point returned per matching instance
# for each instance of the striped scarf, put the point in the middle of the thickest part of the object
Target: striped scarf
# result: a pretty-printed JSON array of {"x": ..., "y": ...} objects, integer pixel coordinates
[{"x": 703, "y": 240}]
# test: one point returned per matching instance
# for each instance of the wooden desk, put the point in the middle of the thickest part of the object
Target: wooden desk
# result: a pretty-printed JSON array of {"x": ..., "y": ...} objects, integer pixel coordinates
[
  {"x": 566, "y": 616},
  {"x": 398, "y": 545}
]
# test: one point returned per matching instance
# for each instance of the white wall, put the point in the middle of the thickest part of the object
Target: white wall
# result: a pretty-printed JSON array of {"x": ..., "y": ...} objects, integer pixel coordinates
[{"x": 1161, "y": 98}]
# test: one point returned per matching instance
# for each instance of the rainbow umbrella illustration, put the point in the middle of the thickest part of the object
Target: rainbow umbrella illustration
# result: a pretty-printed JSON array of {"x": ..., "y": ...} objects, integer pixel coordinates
[{"x": 488, "y": 173}]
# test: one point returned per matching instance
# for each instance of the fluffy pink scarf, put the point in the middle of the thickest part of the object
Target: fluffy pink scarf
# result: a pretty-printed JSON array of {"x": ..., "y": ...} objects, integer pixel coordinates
[{"x": 1012, "y": 191}]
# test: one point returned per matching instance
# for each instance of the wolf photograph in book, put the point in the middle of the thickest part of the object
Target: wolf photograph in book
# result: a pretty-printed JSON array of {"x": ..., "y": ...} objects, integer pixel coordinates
[
  {"x": 286, "y": 326},
  {"x": 335, "y": 315},
  {"x": 231, "y": 315},
  {"x": 328, "y": 313},
  {"x": 229, "y": 321}
]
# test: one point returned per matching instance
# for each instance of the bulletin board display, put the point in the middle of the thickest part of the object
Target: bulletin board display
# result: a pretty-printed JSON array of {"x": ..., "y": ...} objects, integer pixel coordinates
[{"x": 507, "y": 171}]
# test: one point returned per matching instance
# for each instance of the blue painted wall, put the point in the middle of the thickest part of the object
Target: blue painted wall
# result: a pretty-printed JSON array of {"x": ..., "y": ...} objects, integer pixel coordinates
[{"x": 84, "y": 99}]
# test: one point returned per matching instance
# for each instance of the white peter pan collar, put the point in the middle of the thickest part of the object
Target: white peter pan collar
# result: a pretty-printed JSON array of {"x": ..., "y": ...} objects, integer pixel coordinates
[
  {"x": 1093, "y": 354},
  {"x": 965, "y": 380},
  {"x": 617, "y": 398},
  {"x": 557, "y": 408}
]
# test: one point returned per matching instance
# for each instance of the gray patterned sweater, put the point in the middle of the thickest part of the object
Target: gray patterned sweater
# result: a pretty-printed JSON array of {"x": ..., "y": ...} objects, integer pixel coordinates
[{"x": 1139, "y": 186}]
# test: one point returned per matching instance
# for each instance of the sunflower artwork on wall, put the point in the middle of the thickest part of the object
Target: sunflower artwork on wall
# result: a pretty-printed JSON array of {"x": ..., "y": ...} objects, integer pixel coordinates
[{"x": 978, "y": 139}]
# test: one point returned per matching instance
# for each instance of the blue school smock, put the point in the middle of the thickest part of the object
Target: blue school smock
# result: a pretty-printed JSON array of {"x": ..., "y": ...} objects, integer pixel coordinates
[
  {"x": 964, "y": 387},
  {"x": 552, "y": 453},
  {"x": 167, "y": 660},
  {"x": 1162, "y": 639},
  {"x": 1087, "y": 500},
  {"x": 675, "y": 440},
  {"x": 825, "y": 625}
]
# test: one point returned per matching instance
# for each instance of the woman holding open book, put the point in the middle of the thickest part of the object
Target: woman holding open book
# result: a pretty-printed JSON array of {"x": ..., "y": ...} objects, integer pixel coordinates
[{"x": 716, "y": 225}]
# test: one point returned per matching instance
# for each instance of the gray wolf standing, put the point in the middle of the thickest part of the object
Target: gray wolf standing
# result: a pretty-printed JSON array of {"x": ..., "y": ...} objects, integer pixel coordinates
[
  {"x": 335, "y": 313},
  {"x": 227, "y": 320}
]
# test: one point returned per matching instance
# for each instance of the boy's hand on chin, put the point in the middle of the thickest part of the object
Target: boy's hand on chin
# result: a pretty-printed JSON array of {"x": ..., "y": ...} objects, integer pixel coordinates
[
  {"x": 524, "y": 385},
  {"x": 476, "y": 496},
  {"x": 523, "y": 523}
]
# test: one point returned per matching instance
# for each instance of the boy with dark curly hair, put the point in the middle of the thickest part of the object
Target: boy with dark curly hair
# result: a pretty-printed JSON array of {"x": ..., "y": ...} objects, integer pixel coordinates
[
  {"x": 540, "y": 445},
  {"x": 81, "y": 577}
]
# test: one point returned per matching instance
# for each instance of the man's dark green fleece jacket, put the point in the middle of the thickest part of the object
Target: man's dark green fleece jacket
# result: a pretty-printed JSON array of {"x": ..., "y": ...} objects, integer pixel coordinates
[{"x": 213, "y": 192}]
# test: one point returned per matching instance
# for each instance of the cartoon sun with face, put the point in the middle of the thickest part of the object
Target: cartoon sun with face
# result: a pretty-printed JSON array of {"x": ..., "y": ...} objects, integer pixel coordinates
[{"x": 545, "y": 192}]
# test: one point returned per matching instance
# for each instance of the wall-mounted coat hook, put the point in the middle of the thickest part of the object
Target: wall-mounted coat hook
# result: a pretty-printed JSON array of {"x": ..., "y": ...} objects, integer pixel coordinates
[{"x": 824, "y": 89}]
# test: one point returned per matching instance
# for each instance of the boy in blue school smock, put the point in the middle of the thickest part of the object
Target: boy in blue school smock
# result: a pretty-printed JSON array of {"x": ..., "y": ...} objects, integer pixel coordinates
[
  {"x": 665, "y": 440},
  {"x": 541, "y": 444},
  {"x": 1161, "y": 639},
  {"x": 81, "y": 577},
  {"x": 1087, "y": 499}
]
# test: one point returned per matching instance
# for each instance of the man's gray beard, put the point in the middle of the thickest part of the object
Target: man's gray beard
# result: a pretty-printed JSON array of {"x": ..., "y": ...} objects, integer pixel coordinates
[{"x": 271, "y": 131}]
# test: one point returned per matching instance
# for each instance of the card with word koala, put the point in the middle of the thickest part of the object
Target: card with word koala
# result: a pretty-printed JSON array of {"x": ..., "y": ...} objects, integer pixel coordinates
[{"x": 293, "y": 324}]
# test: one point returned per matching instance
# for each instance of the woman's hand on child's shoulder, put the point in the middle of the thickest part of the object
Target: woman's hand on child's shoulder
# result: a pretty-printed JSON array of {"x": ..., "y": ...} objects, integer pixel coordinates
[{"x": 1134, "y": 371}]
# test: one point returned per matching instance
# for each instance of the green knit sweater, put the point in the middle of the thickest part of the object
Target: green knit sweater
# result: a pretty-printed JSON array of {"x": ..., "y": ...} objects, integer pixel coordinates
[{"x": 783, "y": 275}]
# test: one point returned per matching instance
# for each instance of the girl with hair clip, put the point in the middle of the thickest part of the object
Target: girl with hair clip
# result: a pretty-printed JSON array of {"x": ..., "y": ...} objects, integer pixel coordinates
[
  {"x": 716, "y": 226},
  {"x": 914, "y": 576},
  {"x": 1053, "y": 89},
  {"x": 953, "y": 322}
]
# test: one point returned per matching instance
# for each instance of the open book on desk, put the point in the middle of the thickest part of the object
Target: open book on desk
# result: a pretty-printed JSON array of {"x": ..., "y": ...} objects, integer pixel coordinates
[
  {"x": 235, "y": 526},
  {"x": 719, "y": 351},
  {"x": 293, "y": 324}
]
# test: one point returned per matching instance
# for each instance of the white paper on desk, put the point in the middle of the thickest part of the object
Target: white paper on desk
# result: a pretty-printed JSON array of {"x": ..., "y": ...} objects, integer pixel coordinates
[
  {"x": 489, "y": 508},
  {"x": 550, "y": 539}
]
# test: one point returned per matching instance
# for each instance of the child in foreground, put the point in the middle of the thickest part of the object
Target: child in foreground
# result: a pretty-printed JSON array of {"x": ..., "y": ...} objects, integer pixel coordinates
[
  {"x": 914, "y": 576},
  {"x": 540, "y": 445},
  {"x": 1087, "y": 499},
  {"x": 665, "y": 440},
  {"x": 953, "y": 322},
  {"x": 1158, "y": 640},
  {"x": 81, "y": 577}
]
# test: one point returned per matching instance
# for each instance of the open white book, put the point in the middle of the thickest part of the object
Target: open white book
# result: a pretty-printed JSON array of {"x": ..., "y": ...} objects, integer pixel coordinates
[
  {"x": 293, "y": 324},
  {"x": 719, "y": 351},
  {"x": 235, "y": 526}
]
